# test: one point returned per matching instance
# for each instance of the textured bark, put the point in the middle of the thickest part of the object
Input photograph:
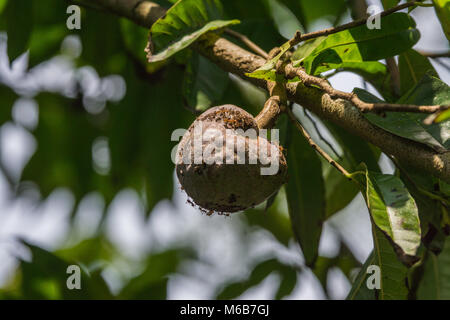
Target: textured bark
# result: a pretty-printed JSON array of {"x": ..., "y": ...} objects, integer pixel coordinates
[{"x": 234, "y": 59}]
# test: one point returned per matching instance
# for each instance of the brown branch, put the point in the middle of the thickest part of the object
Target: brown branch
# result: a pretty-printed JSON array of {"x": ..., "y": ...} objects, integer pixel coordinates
[
  {"x": 353, "y": 24},
  {"x": 234, "y": 59},
  {"x": 314, "y": 145},
  {"x": 323, "y": 84},
  {"x": 249, "y": 43},
  {"x": 276, "y": 103}
]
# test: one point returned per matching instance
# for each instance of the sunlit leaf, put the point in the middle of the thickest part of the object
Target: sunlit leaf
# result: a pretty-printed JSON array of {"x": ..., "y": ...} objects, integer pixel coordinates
[
  {"x": 362, "y": 44},
  {"x": 442, "y": 8},
  {"x": 393, "y": 210},
  {"x": 184, "y": 23}
]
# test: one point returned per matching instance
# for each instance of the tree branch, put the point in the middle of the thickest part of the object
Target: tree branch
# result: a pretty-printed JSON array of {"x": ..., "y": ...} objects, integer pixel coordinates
[
  {"x": 234, "y": 59},
  {"x": 307, "y": 79},
  {"x": 356, "y": 23}
]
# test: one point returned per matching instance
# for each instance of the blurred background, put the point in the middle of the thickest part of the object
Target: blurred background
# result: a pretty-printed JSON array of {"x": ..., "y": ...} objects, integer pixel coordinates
[{"x": 86, "y": 176}]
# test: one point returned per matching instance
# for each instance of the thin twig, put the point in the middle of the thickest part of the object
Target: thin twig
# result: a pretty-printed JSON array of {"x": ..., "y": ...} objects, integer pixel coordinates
[
  {"x": 311, "y": 142},
  {"x": 356, "y": 23},
  {"x": 435, "y": 55},
  {"x": 292, "y": 72},
  {"x": 319, "y": 133},
  {"x": 249, "y": 43}
]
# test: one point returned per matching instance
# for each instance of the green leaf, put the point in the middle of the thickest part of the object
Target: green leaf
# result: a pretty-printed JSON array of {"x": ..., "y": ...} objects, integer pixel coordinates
[
  {"x": 444, "y": 116},
  {"x": 182, "y": 25},
  {"x": 435, "y": 284},
  {"x": 393, "y": 273},
  {"x": 362, "y": 44},
  {"x": 413, "y": 67},
  {"x": 103, "y": 48},
  {"x": 19, "y": 24},
  {"x": 140, "y": 146},
  {"x": 45, "y": 277},
  {"x": 442, "y": 8},
  {"x": 89, "y": 251},
  {"x": 305, "y": 194},
  {"x": 135, "y": 39},
  {"x": 152, "y": 282},
  {"x": 257, "y": 23},
  {"x": 307, "y": 12},
  {"x": 339, "y": 190},
  {"x": 393, "y": 210},
  {"x": 267, "y": 71},
  {"x": 429, "y": 91},
  {"x": 204, "y": 83},
  {"x": 389, "y": 3},
  {"x": 306, "y": 49},
  {"x": 360, "y": 290}
]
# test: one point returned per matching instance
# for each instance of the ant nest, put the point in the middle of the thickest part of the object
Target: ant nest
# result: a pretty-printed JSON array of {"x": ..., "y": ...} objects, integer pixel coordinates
[{"x": 225, "y": 165}]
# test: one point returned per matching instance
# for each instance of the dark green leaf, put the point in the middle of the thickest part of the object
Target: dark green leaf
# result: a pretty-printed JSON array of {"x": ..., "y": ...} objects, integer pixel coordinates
[
  {"x": 435, "y": 284},
  {"x": 429, "y": 91},
  {"x": 359, "y": 290},
  {"x": 413, "y": 67},
  {"x": 204, "y": 83},
  {"x": 19, "y": 24},
  {"x": 393, "y": 282},
  {"x": 389, "y": 3},
  {"x": 305, "y": 195},
  {"x": 339, "y": 190}
]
